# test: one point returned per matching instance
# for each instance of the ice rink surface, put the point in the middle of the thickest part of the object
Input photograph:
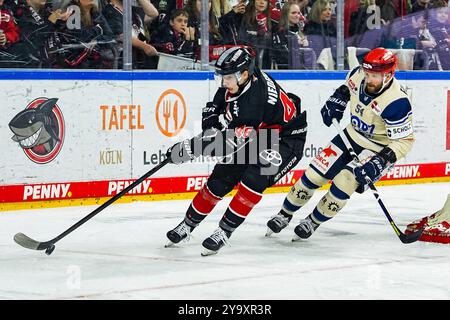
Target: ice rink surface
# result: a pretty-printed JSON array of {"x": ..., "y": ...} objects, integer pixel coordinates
[{"x": 120, "y": 253}]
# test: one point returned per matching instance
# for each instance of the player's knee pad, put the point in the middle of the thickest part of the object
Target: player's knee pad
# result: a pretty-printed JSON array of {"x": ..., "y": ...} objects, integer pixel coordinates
[
  {"x": 344, "y": 184},
  {"x": 302, "y": 191}
]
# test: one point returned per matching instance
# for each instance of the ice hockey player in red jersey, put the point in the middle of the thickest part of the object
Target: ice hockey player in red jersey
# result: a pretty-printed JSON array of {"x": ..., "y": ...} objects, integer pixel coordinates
[
  {"x": 249, "y": 101},
  {"x": 380, "y": 132},
  {"x": 436, "y": 226}
]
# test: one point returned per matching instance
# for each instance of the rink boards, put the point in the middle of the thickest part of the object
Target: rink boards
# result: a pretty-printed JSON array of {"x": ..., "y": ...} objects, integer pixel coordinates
[{"x": 106, "y": 129}]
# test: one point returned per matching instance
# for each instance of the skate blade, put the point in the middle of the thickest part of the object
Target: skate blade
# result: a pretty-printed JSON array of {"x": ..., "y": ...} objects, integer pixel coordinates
[
  {"x": 269, "y": 232},
  {"x": 169, "y": 244},
  {"x": 296, "y": 238},
  {"x": 207, "y": 252}
]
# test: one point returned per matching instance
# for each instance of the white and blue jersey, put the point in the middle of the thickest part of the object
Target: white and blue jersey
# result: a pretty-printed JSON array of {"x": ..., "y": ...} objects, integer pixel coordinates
[{"x": 380, "y": 120}]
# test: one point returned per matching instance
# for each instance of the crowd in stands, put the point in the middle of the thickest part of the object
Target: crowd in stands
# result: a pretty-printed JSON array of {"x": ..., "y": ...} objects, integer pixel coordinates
[{"x": 290, "y": 34}]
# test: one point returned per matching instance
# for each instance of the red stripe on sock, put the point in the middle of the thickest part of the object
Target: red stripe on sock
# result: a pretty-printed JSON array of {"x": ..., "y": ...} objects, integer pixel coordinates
[
  {"x": 205, "y": 201},
  {"x": 244, "y": 200}
]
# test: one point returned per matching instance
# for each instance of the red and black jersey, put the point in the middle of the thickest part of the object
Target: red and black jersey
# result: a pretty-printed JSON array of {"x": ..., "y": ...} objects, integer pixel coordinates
[{"x": 262, "y": 103}]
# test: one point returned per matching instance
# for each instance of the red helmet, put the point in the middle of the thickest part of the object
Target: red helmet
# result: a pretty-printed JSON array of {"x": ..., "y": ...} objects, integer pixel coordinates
[{"x": 380, "y": 60}]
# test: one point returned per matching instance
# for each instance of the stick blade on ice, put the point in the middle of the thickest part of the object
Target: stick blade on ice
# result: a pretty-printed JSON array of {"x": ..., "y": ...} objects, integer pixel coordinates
[
  {"x": 26, "y": 242},
  {"x": 412, "y": 237}
]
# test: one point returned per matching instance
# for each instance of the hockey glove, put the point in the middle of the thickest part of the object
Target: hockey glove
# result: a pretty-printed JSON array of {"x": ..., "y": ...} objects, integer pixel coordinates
[
  {"x": 335, "y": 106},
  {"x": 210, "y": 117},
  {"x": 189, "y": 149},
  {"x": 373, "y": 169},
  {"x": 180, "y": 152}
]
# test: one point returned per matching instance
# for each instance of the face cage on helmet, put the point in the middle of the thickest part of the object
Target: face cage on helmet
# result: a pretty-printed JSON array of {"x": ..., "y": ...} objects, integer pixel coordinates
[{"x": 219, "y": 78}]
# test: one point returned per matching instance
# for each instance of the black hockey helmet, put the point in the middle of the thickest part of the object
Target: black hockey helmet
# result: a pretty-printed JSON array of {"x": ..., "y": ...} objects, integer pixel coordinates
[{"x": 236, "y": 59}]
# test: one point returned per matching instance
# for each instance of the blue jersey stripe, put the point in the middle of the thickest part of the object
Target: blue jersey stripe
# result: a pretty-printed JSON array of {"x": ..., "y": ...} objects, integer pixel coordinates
[{"x": 397, "y": 122}]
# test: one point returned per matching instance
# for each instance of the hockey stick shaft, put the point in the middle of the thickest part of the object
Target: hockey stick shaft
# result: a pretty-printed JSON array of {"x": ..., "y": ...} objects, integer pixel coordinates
[
  {"x": 112, "y": 200},
  {"x": 32, "y": 244},
  {"x": 403, "y": 237}
]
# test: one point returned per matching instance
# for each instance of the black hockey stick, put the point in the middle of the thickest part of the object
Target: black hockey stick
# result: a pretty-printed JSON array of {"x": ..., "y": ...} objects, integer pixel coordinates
[
  {"x": 49, "y": 246},
  {"x": 405, "y": 238}
]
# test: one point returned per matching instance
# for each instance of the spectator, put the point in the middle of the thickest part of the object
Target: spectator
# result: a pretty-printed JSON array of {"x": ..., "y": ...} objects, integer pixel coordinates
[
  {"x": 175, "y": 38},
  {"x": 90, "y": 41},
  {"x": 9, "y": 31},
  {"x": 359, "y": 19},
  {"x": 290, "y": 26},
  {"x": 231, "y": 21},
  {"x": 350, "y": 6},
  {"x": 250, "y": 25},
  {"x": 420, "y": 5},
  {"x": 440, "y": 30},
  {"x": 321, "y": 33},
  {"x": 425, "y": 42},
  {"x": 193, "y": 8},
  {"x": 392, "y": 9},
  {"x": 215, "y": 33},
  {"x": 319, "y": 20},
  {"x": 38, "y": 34},
  {"x": 143, "y": 52}
]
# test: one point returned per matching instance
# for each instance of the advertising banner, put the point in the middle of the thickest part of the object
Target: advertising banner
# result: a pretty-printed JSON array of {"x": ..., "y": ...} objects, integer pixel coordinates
[{"x": 81, "y": 139}]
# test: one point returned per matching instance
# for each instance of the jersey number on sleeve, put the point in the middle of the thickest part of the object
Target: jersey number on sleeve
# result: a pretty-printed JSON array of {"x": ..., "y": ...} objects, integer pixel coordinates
[{"x": 288, "y": 105}]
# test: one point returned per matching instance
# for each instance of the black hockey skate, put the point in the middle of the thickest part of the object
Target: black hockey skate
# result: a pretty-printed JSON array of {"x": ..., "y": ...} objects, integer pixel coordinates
[
  {"x": 214, "y": 242},
  {"x": 180, "y": 232},
  {"x": 305, "y": 229},
  {"x": 278, "y": 223}
]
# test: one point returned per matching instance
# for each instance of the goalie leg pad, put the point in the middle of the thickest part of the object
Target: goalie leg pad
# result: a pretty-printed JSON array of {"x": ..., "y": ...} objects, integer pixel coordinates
[
  {"x": 439, "y": 233},
  {"x": 436, "y": 226}
]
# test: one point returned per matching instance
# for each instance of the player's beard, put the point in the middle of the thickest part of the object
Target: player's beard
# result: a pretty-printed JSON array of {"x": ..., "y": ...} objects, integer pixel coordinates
[{"x": 371, "y": 88}]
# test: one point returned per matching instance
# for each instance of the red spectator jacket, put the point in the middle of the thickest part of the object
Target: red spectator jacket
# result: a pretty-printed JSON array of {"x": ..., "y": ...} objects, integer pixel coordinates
[{"x": 9, "y": 26}]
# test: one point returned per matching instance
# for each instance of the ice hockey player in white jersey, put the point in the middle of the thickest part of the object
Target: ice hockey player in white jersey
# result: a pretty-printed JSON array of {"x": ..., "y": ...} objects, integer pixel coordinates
[{"x": 380, "y": 132}]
